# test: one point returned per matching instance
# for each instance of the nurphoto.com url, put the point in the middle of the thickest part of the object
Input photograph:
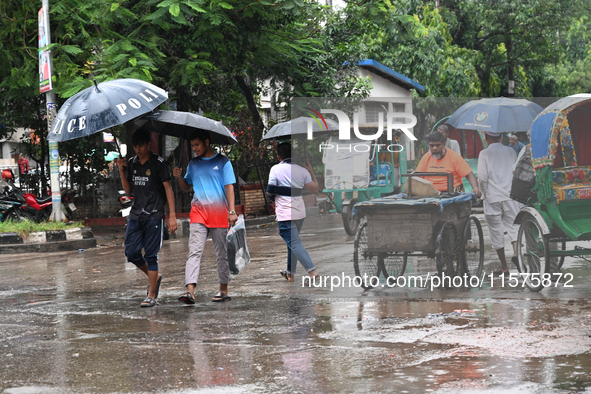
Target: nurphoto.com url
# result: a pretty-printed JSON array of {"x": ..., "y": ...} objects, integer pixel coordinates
[{"x": 439, "y": 281}]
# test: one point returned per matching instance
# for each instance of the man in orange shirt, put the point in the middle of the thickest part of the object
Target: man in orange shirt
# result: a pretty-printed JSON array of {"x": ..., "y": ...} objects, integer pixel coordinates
[{"x": 441, "y": 159}]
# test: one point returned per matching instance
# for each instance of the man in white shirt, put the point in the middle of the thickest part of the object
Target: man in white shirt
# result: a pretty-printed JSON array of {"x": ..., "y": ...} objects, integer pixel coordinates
[
  {"x": 449, "y": 143},
  {"x": 286, "y": 182},
  {"x": 495, "y": 173}
]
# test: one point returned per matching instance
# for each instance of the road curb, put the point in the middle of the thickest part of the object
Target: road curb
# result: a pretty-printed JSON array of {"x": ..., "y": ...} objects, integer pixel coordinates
[
  {"x": 60, "y": 246},
  {"x": 47, "y": 241}
]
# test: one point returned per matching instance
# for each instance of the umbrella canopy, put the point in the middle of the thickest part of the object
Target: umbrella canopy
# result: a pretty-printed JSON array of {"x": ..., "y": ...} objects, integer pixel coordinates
[
  {"x": 183, "y": 124},
  {"x": 299, "y": 126},
  {"x": 104, "y": 105},
  {"x": 499, "y": 115},
  {"x": 551, "y": 121}
]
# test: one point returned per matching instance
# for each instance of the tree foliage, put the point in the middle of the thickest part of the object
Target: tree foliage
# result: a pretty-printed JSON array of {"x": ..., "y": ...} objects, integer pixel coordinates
[{"x": 220, "y": 56}]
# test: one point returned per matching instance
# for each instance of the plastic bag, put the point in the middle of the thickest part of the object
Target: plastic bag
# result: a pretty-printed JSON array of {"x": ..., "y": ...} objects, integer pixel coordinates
[
  {"x": 524, "y": 179},
  {"x": 238, "y": 255}
]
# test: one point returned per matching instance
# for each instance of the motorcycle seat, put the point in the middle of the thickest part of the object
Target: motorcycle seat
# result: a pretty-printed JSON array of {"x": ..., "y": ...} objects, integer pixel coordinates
[{"x": 44, "y": 200}]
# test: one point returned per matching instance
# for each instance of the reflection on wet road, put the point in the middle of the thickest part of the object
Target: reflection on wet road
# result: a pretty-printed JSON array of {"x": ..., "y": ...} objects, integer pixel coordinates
[{"x": 71, "y": 322}]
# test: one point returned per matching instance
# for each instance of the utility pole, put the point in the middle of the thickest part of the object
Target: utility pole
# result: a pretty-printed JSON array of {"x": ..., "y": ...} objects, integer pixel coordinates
[{"x": 56, "y": 199}]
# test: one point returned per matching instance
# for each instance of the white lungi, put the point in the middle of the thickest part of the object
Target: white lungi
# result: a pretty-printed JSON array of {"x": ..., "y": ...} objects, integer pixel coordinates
[{"x": 500, "y": 216}]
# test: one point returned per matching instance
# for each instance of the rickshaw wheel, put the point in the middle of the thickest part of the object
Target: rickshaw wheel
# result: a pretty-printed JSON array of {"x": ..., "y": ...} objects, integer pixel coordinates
[
  {"x": 393, "y": 265},
  {"x": 448, "y": 253},
  {"x": 350, "y": 222},
  {"x": 473, "y": 247},
  {"x": 532, "y": 252},
  {"x": 364, "y": 262}
]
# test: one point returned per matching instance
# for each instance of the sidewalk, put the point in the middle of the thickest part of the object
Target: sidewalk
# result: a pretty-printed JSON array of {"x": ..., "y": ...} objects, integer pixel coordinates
[{"x": 98, "y": 231}]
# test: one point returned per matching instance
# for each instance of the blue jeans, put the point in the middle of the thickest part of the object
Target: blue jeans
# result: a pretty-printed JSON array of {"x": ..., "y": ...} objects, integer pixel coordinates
[
  {"x": 289, "y": 231},
  {"x": 146, "y": 235}
]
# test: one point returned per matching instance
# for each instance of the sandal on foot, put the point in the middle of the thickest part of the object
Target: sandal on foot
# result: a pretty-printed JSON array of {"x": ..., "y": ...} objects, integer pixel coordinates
[
  {"x": 157, "y": 286},
  {"x": 284, "y": 274},
  {"x": 515, "y": 261},
  {"x": 149, "y": 302},
  {"x": 499, "y": 271},
  {"x": 187, "y": 298},
  {"x": 221, "y": 297}
]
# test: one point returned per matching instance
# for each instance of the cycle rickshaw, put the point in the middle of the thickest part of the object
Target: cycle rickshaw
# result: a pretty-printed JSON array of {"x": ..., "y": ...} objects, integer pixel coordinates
[
  {"x": 439, "y": 227},
  {"x": 560, "y": 209}
]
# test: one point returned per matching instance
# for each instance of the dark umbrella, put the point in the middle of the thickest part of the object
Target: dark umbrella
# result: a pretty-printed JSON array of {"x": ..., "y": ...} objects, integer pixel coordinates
[
  {"x": 499, "y": 115},
  {"x": 299, "y": 127},
  {"x": 183, "y": 124},
  {"x": 103, "y": 106}
]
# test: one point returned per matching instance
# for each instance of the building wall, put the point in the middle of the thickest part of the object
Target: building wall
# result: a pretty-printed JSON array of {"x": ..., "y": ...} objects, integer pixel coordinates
[
  {"x": 383, "y": 87},
  {"x": 251, "y": 196}
]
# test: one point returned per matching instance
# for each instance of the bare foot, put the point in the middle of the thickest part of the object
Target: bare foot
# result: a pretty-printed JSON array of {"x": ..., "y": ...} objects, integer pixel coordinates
[{"x": 313, "y": 274}]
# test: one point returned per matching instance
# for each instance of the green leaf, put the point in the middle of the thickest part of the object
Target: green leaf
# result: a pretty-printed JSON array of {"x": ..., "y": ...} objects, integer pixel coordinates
[
  {"x": 196, "y": 7},
  {"x": 133, "y": 61},
  {"x": 175, "y": 9},
  {"x": 114, "y": 6},
  {"x": 72, "y": 49},
  {"x": 166, "y": 3}
]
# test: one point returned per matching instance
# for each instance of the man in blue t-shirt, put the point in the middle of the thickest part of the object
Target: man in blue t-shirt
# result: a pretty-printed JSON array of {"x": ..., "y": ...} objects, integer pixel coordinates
[
  {"x": 212, "y": 179},
  {"x": 148, "y": 181}
]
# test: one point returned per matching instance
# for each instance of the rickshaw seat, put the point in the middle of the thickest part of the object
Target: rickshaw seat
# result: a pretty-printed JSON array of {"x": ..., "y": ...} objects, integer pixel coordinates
[{"x": 571, "y": 183}]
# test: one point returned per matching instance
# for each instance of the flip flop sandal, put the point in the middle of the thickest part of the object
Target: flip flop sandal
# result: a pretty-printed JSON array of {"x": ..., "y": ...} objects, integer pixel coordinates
[
  {"x": 157, "y": 286},
  {"x": 221, "y": 297},
  {"x": 149, "y": 302},
  {"x": 284, "y": 274},
  {"x": 187, "y": 298},
  {"x": 499, "y": 271}
]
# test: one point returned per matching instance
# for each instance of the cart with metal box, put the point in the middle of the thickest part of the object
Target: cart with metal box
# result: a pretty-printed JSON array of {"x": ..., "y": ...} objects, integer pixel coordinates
[{"x": 401, "y": 226}]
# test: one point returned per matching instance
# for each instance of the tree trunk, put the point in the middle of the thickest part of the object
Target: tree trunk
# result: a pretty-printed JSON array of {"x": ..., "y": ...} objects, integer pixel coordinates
[
  {"x": 510, "y": 67},
  {"x": 252, "y": 107},
  {"x": 463, "y": 144}
]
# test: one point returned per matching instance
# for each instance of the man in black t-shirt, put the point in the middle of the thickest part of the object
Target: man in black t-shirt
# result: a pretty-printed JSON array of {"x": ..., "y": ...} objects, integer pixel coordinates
[{"x": 148, "y": 180}]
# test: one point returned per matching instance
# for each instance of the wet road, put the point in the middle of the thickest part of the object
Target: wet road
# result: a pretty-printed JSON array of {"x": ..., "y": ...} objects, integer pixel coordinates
[{"x": 71, "y": 323}]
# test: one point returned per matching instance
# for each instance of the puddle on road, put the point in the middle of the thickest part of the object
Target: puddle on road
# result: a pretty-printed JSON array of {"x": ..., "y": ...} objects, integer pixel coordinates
[
  {"x": 82, "y": 331},
  {"x": 258, "y": 344}
]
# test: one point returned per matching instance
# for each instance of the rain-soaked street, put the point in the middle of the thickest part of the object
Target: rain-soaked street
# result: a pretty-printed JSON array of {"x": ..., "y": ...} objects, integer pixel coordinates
[{"x": 70, "y": 322}]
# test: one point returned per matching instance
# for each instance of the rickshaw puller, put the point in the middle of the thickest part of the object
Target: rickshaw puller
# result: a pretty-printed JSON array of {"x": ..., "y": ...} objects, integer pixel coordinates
[{"x": 441, "y": 159}]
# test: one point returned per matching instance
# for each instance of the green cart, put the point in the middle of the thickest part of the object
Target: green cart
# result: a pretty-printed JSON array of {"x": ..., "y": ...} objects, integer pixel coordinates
[{"x": 357, "y": 171}]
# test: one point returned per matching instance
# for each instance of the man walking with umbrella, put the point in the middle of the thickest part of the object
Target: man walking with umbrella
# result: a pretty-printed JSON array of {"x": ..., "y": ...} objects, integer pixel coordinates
[
  {"x": 148, "y": 180},
  {"x": 212, "y": 210},
  {"x": 286, "y": 182},
  {"x": 495, "y": 174}
]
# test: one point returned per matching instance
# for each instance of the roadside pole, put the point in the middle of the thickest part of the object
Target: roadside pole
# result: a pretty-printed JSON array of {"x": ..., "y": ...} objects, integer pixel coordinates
[{"x": 44, "y": 32}]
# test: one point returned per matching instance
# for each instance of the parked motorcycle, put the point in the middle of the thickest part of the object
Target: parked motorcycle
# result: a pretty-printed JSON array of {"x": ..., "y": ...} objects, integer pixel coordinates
[
  {"x": 41, "y": 208},
  {"x": 68, "y": 206},
  {"x": 10, "y": 204},
  {"x": 126, "y": 202}
]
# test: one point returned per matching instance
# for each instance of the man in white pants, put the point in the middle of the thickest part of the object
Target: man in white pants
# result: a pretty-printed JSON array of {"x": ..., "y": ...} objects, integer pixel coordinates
[{"x": 495, "y": 173}]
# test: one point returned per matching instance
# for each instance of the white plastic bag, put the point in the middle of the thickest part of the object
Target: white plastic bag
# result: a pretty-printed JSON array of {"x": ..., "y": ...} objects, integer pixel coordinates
[{"x": 238, "y": 255}]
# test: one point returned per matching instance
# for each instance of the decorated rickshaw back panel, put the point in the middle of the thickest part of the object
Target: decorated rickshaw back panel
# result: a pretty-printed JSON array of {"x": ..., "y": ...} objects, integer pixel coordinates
[{"x": 571, "y": 183}]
